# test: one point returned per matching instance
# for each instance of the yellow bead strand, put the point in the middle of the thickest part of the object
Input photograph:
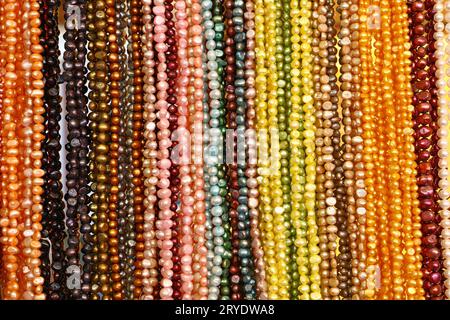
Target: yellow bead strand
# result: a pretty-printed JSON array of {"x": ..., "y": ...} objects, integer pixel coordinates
[
  {"x": 263, "y": 151},
  {"x": 280, "y": 273},
  {"x": 297, "y": 166},
  {"x": 369, "y": 146},
  {"x": 309, "y": 144},
  {"x": 410, "y": 204}
]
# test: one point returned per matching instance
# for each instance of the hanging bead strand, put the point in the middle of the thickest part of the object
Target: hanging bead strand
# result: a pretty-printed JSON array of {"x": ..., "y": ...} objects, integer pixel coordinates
[
  {"x": 164, "y": 223},
  {"x": 263, "y": 151},
  {"x": 425, "y": 132},
  {"x": 136, "y": 145},
  {"x": 196, "y": 121},
  {"x": 243, "y": 210},
  {"x": 297, "y": 158},
  {"x": 10, "y": 185},
  {"x": 233, "y": 272},
  {"x": 283, "y": 57},
  {"x": 251, "y": 155},
  {"x": 216, "y": 185},
  {"x": 187, "y": 200},
  {"x": 77, "y": 147},
  {"x": 441, "y": 35},
  {"x": 150, "y": 168},
  {"x": 277, "y": 240},
  {"x": 34, "y": 93},
  {"x": 369, "y": 150},
  {"x": 125, "y": 210},
  {"x": 306, "y": 18},
  {"x": 326, "y": 112},
  {"x": 357, "y": 221},
  {"x": 100, "y": 117},
  {"x": 344, "y": 192},
  {"x": 114, "y": 93},
  {"x": 53, "y": 214}
]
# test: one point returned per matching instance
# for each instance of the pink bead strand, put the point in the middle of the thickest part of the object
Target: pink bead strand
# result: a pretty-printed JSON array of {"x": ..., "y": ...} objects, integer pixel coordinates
[
  {"x": 196, "y": 114},
  {"x": 150, "y": 264},
  {"x": 183, "y": 137},
  {"x": 164, "y": 223}
]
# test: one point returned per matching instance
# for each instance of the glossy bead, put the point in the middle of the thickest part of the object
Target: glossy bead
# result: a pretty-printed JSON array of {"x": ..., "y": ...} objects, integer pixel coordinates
[
  {"x": 423, "y": 117},
  {"x": 53, "y": 264},
  {"x": 77, "y": 219}
]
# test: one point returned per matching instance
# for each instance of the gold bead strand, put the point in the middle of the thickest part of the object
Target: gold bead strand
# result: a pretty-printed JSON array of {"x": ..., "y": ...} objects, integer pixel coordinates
[
  {"x": 115, "y": 95},
  {"x": 369, "y": 145},
  {"x": 382, "y": 267},
  {"x": 251, "y": 152},
  {"x": 24, "y": 192},
  {"x": 297, "y": 167},
  {"x": 388, "y": 110},
  {"x": 263, "y": 150},
  {"x": 99, "y": 117},
  {"x": 280, "y": 246},
  {"x": 306, "y": 16},
  {"x": 32, "y": 114},
  {"x": 10, "y": 161},
  {"x": 410, "y": 204}
]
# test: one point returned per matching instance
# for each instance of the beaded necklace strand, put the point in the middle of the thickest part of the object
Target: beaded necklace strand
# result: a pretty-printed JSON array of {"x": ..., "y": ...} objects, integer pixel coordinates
[
  {"x": 251, "y": 141},
  {"x": 125, "y": 210},
  {"x": 214, "y": 170},
  {"x": 441, "y": 35},
  {"x": 243, "y": 213},
  {"x": 306, "y": 15},
  {"x": 283, "y": 58},
  {"x": 78, "y": 138},
  {"x": 99, "y": 155},
  {"x": 150, "y": 169},
  {"x": 344, "y": 191},
  {"x": 411, "y": 211},
  {"x": 136, "y": 143},
  {"x": 53, "y": 205},
  {"x": 357, "y": 220},
  {"x": 114, "y": 93},
  {"x": 231, "y": 277},
  {"x": 196, "y": 121},
  {"x": 275, "y": 214}
]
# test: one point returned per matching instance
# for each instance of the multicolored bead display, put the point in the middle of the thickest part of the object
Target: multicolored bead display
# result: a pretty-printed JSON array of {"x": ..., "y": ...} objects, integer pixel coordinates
[{"x": 236, "y": 149}]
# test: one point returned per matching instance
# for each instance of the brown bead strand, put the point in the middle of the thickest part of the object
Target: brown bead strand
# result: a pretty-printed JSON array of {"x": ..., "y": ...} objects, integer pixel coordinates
[
  {"x": 336, "y": 168},
  {"x": 115, "y": 94},
  {"x": 326, "y": 123},
  {"x": 233, "y": 187},
  {"x": 172, "y": 70},
  {"x": 136, "y": 33},
  {"x": 251, "y": 171},
  {"x": 126, "y": 207},
  {"x": 99, "y": 155},
  {"x": 345, "y": 189},
  {"x": 357, "y": 209}
]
